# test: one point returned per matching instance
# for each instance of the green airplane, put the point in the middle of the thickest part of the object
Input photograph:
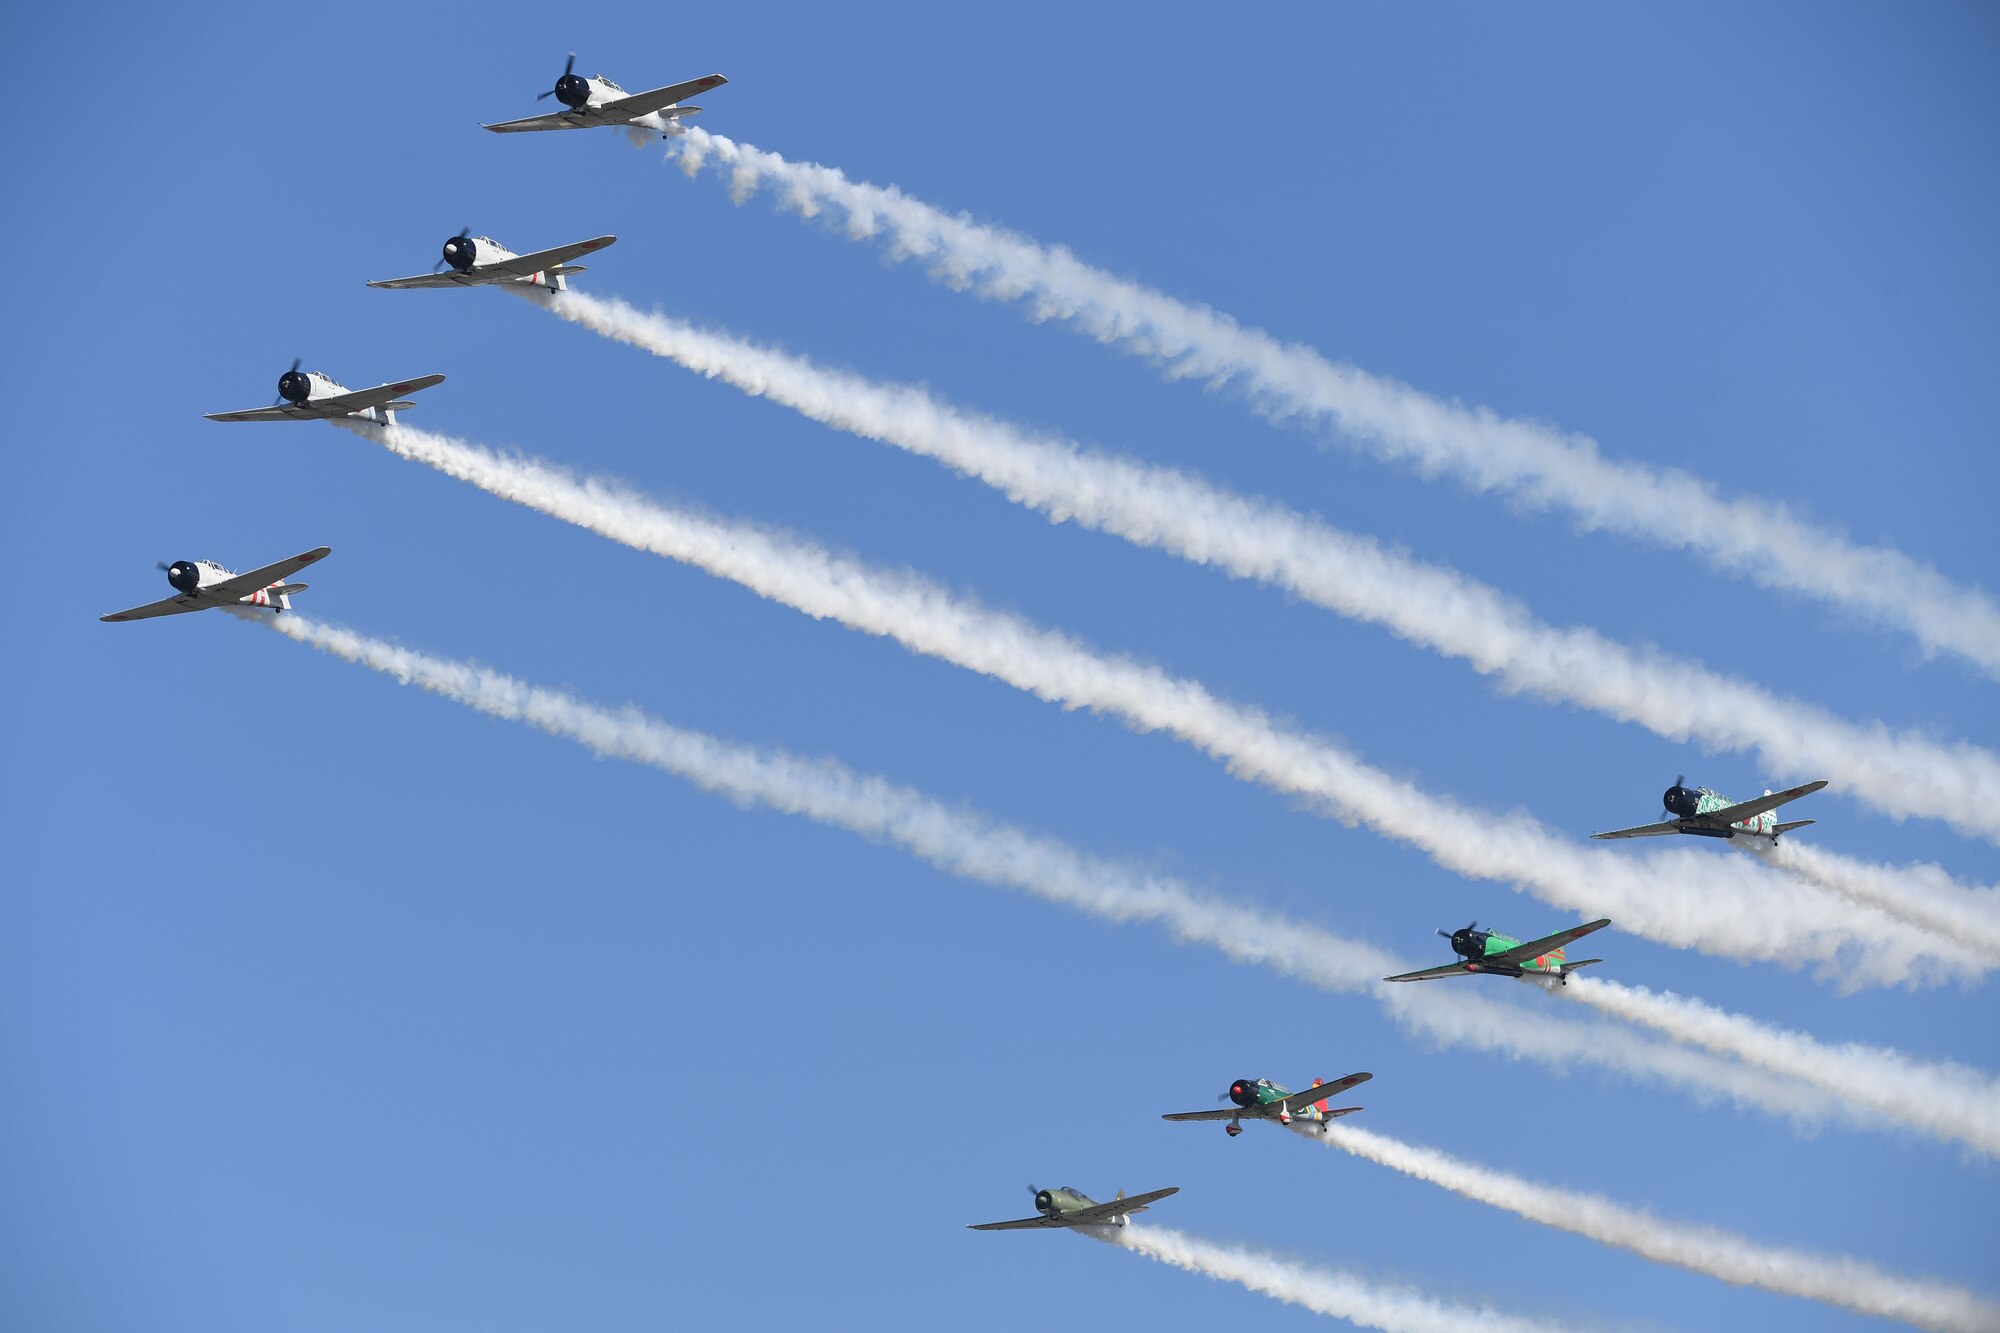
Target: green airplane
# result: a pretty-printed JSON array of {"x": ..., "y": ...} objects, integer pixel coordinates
[
  {"x": 1710, "y": 814},
  {"x": 1505, "y": 956},
  {"x": 1066, "y": 1207},
  {"x": 1261, "y": 1099}
]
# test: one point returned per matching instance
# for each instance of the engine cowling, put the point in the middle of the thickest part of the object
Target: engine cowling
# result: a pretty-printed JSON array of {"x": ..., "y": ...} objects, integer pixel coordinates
[
  {"x": 1681, "y": 801},
  {"x": 461, "y": 252},
  {"x": 573, "y": 91},
  {"x": 1045, "y": 1203},
  {"x": 1244, "y": 1092},
  {"x": 183, "y": 575},
  {"x": 294, "y": 386}
]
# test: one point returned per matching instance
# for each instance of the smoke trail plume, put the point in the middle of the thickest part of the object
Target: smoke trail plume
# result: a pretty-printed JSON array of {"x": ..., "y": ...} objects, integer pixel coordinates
[
  {"x": 964, "y": 843},
  {"x": 1431, "y": 605},
  {"x": 1531, "y": 464},
  {"x": 1944, "y": 1099},
  {"x": 1730, "y": 906},
  {"x": 1922, "y": 894},
  {"x": 1839, "y": 1280},
  {"x": 1359, "y": 1300}
]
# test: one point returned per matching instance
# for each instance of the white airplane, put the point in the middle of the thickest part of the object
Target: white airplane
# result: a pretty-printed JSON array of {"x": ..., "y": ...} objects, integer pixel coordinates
[
  {"x": 599, "y": 101},
  {"x": 307, "y": 395},
  {"x": 1710, "y": 814},
  {"x": 202, "y": 584},
  {"x": 479, "y": 261}
]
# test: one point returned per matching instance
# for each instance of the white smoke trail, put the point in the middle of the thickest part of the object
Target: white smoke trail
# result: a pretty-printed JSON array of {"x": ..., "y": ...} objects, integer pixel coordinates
[
  {"x": 1532, "y": 464},
  {"x": 1431, "y": 605},
  {"x": 1840, "y": 1280},
  {"x": 1945, "y": 1099},
  {"x": 1730, "y": 906},
  {"x": 1399, "y": 1308},
  {"x": 964, "y": 843},
  {"x": 1922, "y": 894}
]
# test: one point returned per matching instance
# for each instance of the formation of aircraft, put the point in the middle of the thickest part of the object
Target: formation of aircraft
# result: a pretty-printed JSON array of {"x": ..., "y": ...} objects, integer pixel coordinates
[
  {"x": 1261, "y": 1099},
  {"x": 1504, "y": 956},
  {"x": 1710, "y": 814},
  {"x": 1066, "y": 1207},
  {"x": 479, "y": 261},
  {"x": 589, "y": 103},
  {"x": 470, "y": 261},
  {"x": 307, "y": 395},
  {"x": 202, "y": 585}
]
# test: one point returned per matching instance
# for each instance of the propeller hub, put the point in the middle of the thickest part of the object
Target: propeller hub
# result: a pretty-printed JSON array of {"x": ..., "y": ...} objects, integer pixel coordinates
[
  {"x": 459, "y": 252},
  {"x": 294, "y": 387},
  {"x": 1680, "y": 800},
  {"x": 1045, "y": 1203},
  {"x": 573, "y": 91},
  {"x": 184, "y": 577}
]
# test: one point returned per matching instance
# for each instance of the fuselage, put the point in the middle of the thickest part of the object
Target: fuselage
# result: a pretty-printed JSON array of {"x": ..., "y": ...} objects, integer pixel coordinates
[
  {"x": 1690, "y": 802},
  {"x": 192, "y": 578},
  {"x": 302, "y": 388},
  {"x": 1476, "y": 946}
]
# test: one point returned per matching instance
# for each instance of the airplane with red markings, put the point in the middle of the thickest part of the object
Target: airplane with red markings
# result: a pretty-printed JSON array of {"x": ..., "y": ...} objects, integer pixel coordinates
[
  {"x": 308, "y": 395},
  {"x": 1489, "y": 951},
  {"x": 1261, "y": 1099},
  {"x": 1710, "y": 814},
  {"x": 481, "y": 261},
  {"x": 203, "y": 585},
  {"x": 588, "y": 103}
]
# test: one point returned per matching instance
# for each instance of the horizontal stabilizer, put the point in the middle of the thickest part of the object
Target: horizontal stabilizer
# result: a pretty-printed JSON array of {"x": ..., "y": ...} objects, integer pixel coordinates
[
  {"x": 1581, "y": 962},
  {"x": 287, "y": 589},
  {"x": 1787, "y": 828},
  {"x": 400, "y": 406},
  {"x": 1341, "y": 1111}
]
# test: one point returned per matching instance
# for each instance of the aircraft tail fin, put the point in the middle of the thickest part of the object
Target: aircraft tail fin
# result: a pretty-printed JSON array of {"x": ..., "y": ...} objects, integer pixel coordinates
[
  {"x": 1321, "y": 1103},
  {"x": 1787, "y": 828}
]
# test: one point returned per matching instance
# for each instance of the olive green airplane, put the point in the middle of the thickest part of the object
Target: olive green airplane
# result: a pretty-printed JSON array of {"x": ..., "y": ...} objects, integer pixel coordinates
[
  {"x": 1504, "y": 956},
  {"x": 1066, "y": 1207},
  {"x": 1710, "y": 814},
  {"x": 1261, "y": 1099}
]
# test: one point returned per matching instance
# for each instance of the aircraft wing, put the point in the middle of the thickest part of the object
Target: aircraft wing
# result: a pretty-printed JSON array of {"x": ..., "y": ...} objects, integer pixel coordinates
[
  {"x": 1299, "y": 1101},
  {"x": 241, "y": 585},
  {"x": 1017, "y": 1225},
  {"x": 1742, "y": 810},
  {"x": 642, "y": 104},
  {"x": 1230, "y": 1114},
  {"x": 282, "y": 412},
  {"x": 554, "y": 120},
  {"x": 341, "y": 404},
  {"x": 422, "y": 280},
  {"x": 520, "y": 266},
  {"x": 1521, "y": 953},
  {"x": 1643, "y": 830},
  {"x": 1433, "y": 973},
  {"x": 1104, "y": 1212},
  {"x": 172, "y": 606}
]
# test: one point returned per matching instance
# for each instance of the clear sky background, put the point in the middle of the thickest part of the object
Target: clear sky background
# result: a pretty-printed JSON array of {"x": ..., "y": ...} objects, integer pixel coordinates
[{"x": 327, "y": 1004}]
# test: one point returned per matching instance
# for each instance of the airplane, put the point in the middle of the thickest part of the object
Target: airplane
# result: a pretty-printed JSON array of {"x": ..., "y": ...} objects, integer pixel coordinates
[
  {"x": 478, "y": 261},
  {"x": 1066, "y": 1207},
  {"x": 599, "y": 101},
  {"x": 1261, "y": 1099},
  {"x": 202, "y": 585},
  {"x": 1501, "y": 955},
  {"x": 1710, "y": 814},
  {"x": 310, "y": 396}
]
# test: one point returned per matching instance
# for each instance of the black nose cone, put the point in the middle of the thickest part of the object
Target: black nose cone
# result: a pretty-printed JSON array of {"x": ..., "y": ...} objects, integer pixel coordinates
[
  {"x": 1680, "y": 801},
  {"x": 458, "y": 252},
  {"x": 294, "y": 387},
  {"x": 572, "y": 91},
  {"x": 1043, "y": 1201},
  {"x": 184, "y": 576}
]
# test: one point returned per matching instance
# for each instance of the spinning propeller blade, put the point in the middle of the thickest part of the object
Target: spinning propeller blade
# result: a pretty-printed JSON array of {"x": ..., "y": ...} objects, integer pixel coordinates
[{"x": 566, "y": 73}]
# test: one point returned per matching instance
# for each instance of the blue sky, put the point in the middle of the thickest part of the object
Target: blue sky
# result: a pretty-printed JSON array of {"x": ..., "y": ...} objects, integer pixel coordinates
[{"x": 327, "y": 1004}]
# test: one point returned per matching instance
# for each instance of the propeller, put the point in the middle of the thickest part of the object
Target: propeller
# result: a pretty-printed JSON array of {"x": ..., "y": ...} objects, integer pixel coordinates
[
  {"x": 566, "y": 73},
  {"x": 297, "y": 361},
  {"x": 1447, "y": 934},
  {"x": 162, "y": 566},
  {"x": 449, "y": 248}
]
